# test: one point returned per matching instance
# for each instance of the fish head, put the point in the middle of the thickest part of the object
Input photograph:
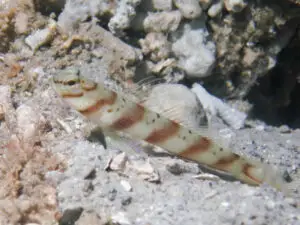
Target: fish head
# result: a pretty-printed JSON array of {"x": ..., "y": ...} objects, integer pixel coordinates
[
  {"x": 69, "y": 83},
  {"x": 81, "y": 93}
]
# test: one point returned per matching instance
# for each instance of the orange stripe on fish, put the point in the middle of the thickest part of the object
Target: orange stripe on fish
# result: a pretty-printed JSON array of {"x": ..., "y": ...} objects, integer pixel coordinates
[
  {"x": 130, "y": 118},
  {"x": 99, "y": 104},
  {"x": 72, "y": 95},
  {"x": 246, "y": 170},
  {"x": 225, "y": 162},
  {"x": 160, "y": 135},
  {"x": 202, "y": 145}
]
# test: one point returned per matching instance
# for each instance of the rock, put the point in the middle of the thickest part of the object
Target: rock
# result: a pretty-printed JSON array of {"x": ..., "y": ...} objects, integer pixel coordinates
[
  {"x": 237, "y": 38},
  {"x": 158, "y": 5},
  {"x": 2, "y": 112},
  {"x": 41, "y": 37},
  {"x": 235, "y": 5},
  {"x": 7, "y": 13},
  {"x": 215, "y": 9},
  {"x": 126, "y": 185},
  {"x": 29, "y": 120},
  {"x": 145, "y": 170},
  {"x": 156, "y": 45},
  {"x": 64, "y": 126},
  {"x": 124, "y": 14},
  {"x": 159, "y": 22},
  {"x": 120, "y": 218},
  {"x": 207, "y": 176},
  {"x": 5, "y": 100},
  {"x": 119, "y": 56},
  {"x": 249, "y": 56},
  {"x": 126, "y": 200},
  {"x": 112, "y": 194},
  {"x": 196, "y": 53},
  {"x": 205, "y": 4},
  {"x": 189, "y": 9},
  {"x": 91, "y": 174},
  {"x": 70, "y": 216},
  {"x": 87, "y": 188},
  {"x": 214, "y": 106},
  {"x": 118, "y": 162},
  {"x": 178, "y": 167},
  {"x": 161, "y": 66},
  {"x": 21, "y": 25},
  {"x": 284, "y": 129},
  {"x": 76, "y": 11},
  {"x": 89, "y": 218}
]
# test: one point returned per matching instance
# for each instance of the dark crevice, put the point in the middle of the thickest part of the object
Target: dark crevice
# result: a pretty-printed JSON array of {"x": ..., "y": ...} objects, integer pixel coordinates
[{"x": 276, "y": 98}]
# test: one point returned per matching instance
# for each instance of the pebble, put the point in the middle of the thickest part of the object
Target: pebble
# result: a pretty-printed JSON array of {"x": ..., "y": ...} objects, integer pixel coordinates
[
  {"x": 41, "y": 37},
  {"x": 215, "y": 106},
  {"x": 64, "y": 126},
  {"x": 70, "y": 216},
  {"x": 284, "y": 129},
  {"x": 28, "y": 122},
  {"x": 120, "y": 218},
  {"x": 163, "y": 5},
  {"x": 2, "y": 112},
  {"x": 126, "y": 200},
  {"x": 260, "y": 127},
  {"x": 235, "y": 5},
  {"x": 215, "y": 9},
  {"x": 194, "y": 49},
  {"x": 126, "y": 185},
  {"x": 5, "y": 100},
  {"x": 205, "y": 4},
  {"x": 156, "y": 45},
  {"x": 117, "y": 163},
  {"x": 190, "y": 9},
  {"x": 207, "y": 176},
  {"x": 162, "y": 21},
  {"x": 90, "y": 218}
]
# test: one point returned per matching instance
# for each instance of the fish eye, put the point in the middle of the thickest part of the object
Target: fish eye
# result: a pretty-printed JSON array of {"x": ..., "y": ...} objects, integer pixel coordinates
[{"x": 71, "y": 82}]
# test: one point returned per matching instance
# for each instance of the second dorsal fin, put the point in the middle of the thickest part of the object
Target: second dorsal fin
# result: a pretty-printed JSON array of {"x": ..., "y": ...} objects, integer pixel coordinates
[{"x": 178, "y": 103}]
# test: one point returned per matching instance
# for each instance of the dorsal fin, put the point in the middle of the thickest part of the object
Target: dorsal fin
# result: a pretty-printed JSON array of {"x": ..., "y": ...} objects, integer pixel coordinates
[
  {"x": 141, "y": 89},
  {"x": 176, "y": 102},
  {"x": 135, "y": 91}
]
